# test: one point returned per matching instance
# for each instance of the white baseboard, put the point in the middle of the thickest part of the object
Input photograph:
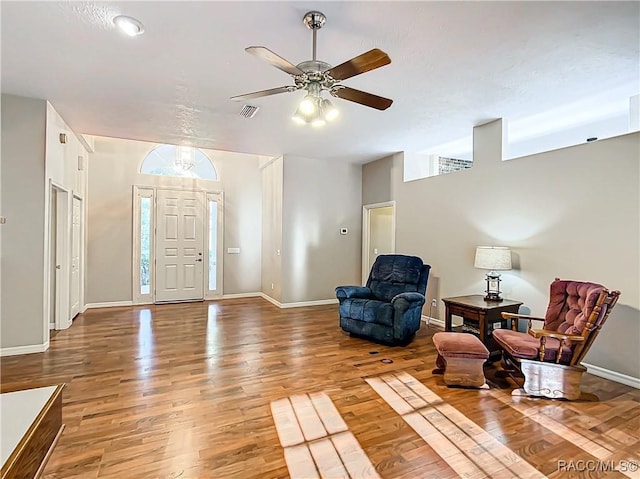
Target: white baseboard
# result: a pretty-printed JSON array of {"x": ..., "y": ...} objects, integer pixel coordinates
[
  {"x": 52, "y": 326},
  {"x": 613, "y": 375},
  {"x": 109, "y": 304},
  {"x": 241, "y": 295},
  {"x": 31, "y": 348},
  {"x": 434, "y": 321},
  {"x": 299, "y": 304},
  {"x": 275, "y": 302}
]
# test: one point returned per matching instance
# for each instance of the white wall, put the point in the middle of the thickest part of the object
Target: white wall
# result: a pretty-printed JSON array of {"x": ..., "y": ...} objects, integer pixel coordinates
[
  {"x": 23, "y": 187},
  {"x": 114, "y": 168},
  {"x": 62, "y": 158},
  {"x": 63, "y": 170},
  {"x": 319, "y": 198},
  {"x": 572, "y": 213},
  {"x": 272, "y": 184}
]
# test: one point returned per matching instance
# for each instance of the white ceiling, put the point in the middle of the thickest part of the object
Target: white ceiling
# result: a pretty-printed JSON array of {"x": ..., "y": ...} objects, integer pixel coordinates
[{"x": 454, "y": 65}]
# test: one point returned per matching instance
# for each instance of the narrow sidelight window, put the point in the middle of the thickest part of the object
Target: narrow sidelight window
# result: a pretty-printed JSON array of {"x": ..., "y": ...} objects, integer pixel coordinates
[
  {"x": 145, "y": 245},
  {"x": 213, "y": 244}
]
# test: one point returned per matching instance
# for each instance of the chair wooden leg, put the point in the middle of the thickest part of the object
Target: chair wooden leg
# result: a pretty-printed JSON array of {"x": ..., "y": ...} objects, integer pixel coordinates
[{"x": 508, "y": 369}]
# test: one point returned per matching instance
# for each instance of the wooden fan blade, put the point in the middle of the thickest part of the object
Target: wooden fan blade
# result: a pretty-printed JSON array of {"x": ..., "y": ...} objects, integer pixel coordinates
[
  {"x": 258, "y": 94},
  {"x": 276, "y": 60},
  {"x": 362, "y": 63},
  {"x": 362, "y": 97}
]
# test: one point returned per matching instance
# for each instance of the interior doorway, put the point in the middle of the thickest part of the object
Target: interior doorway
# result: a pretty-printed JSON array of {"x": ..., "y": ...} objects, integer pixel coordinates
[
  {"x": 59, "y": 258},
  {"x": 379, "y": 234}
]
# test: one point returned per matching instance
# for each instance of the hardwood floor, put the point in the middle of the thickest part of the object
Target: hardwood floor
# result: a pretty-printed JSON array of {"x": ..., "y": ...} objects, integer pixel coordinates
[{"x": 186, "y": 391}]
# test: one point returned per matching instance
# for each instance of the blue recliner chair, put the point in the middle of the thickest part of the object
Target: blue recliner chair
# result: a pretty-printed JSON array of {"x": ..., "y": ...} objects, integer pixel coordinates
[{"x": 389, "y": 307}]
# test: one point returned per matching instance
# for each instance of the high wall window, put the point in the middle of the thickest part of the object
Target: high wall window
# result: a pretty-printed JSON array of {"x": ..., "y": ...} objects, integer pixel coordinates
[
  {"x": 455, "y": 155},
  {"x": 183, "y": 161}
]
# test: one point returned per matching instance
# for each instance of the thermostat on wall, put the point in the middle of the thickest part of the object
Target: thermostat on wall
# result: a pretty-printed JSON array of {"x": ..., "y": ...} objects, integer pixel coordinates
[{"x": 343, "y": 231}]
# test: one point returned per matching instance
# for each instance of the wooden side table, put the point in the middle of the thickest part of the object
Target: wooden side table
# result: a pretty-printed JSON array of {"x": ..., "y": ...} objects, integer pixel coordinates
[{"x": 475, "y": 311}]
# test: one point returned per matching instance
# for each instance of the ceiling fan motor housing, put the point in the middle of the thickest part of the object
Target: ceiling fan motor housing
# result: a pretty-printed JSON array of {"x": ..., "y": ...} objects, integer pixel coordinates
[{"x": 314, "y": 20}]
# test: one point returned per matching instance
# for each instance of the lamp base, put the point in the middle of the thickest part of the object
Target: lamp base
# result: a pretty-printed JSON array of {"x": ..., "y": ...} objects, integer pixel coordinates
[{"x": 493, "y": 297}]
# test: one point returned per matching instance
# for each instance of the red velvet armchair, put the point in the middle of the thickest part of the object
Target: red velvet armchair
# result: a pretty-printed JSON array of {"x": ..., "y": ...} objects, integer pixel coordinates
[{"x": 549, "y": 358}]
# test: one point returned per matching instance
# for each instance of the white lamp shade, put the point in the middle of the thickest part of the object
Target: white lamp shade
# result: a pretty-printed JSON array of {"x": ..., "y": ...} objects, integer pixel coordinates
[{"x": 493, "y": 257}]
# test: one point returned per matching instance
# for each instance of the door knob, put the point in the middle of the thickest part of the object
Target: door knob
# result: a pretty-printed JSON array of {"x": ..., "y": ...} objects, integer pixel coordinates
[{"x": 199, "y": 259}]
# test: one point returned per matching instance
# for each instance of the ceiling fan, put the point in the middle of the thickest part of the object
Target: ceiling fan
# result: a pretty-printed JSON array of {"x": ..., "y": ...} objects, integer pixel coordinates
[{"x": 316, "y": 76}]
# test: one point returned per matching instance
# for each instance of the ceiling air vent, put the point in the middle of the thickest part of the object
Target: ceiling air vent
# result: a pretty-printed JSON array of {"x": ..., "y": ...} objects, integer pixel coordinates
[{"x": 249, "y": 111}]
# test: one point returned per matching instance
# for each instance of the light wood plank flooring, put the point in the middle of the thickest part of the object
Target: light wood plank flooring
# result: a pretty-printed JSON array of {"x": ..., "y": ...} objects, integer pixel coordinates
[{"x": 185, "y": 391}]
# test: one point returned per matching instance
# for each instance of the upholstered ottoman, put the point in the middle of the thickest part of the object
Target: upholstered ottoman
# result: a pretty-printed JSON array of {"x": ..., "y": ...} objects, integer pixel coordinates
[{"x": 460, "y": 358}]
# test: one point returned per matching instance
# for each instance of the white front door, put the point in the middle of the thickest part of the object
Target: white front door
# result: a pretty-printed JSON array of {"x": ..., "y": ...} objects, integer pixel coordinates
[
  {"x": 76, "y": 216},
  {"x": 179, "y": 246}
]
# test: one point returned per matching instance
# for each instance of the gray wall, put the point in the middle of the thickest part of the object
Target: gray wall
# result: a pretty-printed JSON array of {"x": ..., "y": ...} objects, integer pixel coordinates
[
  {"x": 114, "y": 170},
  {"x": 23, "y": 204},
  {"x": 376, "y": 181},
  {"x": 319, "y": 198},
  {"x": 572, "y": 213}
]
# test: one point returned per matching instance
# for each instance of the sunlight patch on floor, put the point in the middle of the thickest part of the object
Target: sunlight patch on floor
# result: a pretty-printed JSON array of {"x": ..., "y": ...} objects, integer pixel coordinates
[
  {"x": 468, "y": 449},
  {"x": 316, "y": 440}
]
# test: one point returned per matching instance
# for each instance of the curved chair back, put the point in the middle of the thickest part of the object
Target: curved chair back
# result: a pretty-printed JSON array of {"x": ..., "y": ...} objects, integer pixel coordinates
[
  {"x": 578, "y": 308},
  {"x": 392, "y": 274}
]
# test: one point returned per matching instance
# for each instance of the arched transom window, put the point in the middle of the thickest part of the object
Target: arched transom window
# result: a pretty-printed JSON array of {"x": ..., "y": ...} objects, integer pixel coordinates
[{"x": 183, "y": 161}]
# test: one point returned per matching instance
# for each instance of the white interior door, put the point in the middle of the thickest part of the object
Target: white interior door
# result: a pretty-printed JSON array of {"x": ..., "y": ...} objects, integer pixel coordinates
[
  {"x": 59, "y": 257},
  {"x": 76, "y": 215},
  {"x": 179, "y": 246}
]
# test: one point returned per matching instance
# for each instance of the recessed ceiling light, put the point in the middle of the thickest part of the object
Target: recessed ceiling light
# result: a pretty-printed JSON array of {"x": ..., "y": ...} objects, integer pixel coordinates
[{"x": 129, "y": 25}]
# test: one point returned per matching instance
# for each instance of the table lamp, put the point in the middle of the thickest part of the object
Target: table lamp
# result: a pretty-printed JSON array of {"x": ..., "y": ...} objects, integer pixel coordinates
[{"x": 493, "y": 258}]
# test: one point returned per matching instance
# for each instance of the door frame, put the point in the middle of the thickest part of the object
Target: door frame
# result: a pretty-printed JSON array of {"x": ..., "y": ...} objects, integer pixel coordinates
[
  {"x": 138, "y": 297},
  {"x": 62, "y": 253},
  {"x": 76, "y": 196},
  {"x": 366, "y": 233},
  {"x": 143, "y": 191},
  {"x": 218, "y": 197}
]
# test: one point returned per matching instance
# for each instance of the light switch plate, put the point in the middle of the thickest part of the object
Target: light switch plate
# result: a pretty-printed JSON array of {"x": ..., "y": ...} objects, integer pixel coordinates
[{"x": 233, "y": 250}]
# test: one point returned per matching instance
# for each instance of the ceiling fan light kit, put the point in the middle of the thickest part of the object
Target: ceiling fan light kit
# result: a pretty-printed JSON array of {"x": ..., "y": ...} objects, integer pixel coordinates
[{"x": 315, "y": 76}]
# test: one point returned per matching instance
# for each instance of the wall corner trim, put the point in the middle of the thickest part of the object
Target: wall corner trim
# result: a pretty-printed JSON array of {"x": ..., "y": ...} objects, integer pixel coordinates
[
  {"x": 31, "y": 348},
  {"x": 108, "y": 304},
  {"x": 613, "y": 375}
]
